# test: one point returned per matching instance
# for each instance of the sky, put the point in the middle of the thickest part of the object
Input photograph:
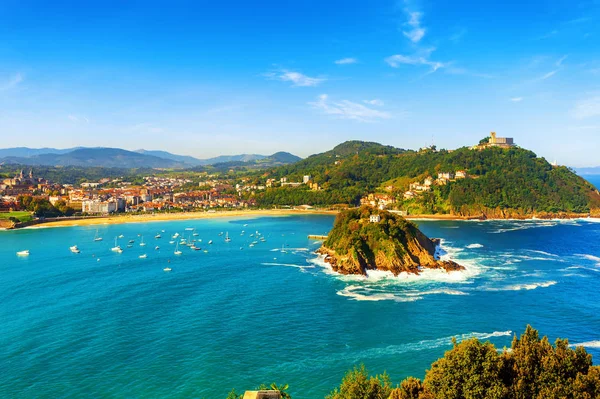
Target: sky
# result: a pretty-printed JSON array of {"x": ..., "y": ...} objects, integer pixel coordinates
[{"x": 206, "y": 78}]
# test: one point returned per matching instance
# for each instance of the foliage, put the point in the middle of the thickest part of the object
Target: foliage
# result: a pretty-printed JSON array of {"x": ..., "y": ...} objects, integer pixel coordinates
[
  {"x": 358, "y": 385},
  {"x": 512, "y": 179},
  {"x": 41, "y": 207},
  {"x": 531, "y": 369}
]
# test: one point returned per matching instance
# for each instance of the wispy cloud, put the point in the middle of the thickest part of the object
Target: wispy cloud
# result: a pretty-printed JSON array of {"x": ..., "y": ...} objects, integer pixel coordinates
[
  {"x": 346, "y": 61},
  {"x": 398, "y": 59},
  {"x": 516, "y": 99},
  {"x": 376, "y": 102},
  {"x": 75, "y": 118},
  {"x": 416, "y": 31},
  {"x": 12, "y": 82},
  {"x": 458, "y": 35},
  {"x": 561, "y": 60},
  {"x": 588, "y": 108},
  {"x": 345, "y": 109},
  {"x": 547, "y": 75},
  {"x": 296, "y": 78}
]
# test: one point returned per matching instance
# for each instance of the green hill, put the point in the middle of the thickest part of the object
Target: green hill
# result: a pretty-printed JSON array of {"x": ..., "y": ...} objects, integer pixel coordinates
[
  {"x": 501, "y": 182},
  {"x": 389, "y": 242}
]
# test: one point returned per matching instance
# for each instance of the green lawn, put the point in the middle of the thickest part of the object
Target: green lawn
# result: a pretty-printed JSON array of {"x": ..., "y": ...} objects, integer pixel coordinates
[{"x": 23, "y": 216}]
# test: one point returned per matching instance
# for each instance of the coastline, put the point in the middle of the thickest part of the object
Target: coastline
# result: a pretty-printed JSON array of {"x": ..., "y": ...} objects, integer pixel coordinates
[{"x": 145, "y": 218}]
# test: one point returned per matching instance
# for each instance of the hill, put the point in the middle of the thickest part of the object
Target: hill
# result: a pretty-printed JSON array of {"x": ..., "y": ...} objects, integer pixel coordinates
[
  {"x": 96, "y": 157},
  {"x": 358, "y": 243},
  {"x": 499, "y": 183}
]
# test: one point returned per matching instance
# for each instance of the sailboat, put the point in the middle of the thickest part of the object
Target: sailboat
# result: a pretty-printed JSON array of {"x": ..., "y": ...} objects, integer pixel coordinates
[
  {"x": 142, "y": 244},
  {"x": 283, "y": 251},
  {"x": 157, "y": 235},
  {"x": 167, "y": 269},
  {"x": 144, "y": 256},
  {"x": 96, "y": 237},
  {"x": 74, "y": 249},
  {"x": 121, "y": 236},
  {"x": 116, "y": 248},
  {"x": 23, "y": 253},
  {"x": 177, "y": 251},
  {"x": 227, "y": 239}
]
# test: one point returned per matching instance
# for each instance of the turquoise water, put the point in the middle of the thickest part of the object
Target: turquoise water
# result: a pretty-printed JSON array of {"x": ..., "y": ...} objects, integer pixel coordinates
[{"x": 102, "y": 324}]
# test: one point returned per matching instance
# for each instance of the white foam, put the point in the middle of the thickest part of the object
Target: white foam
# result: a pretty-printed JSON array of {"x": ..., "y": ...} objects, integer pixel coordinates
[
  {"x": 352, "y": 291},
  {"x": 589, "y": 344},
  {"x": 542, "y": 253},
  {"x": 288, "y": 265},
  {"x": 473, "y": 246},
  {"x": 593, "y": 258},
  {"x": 520, "y": 287}
]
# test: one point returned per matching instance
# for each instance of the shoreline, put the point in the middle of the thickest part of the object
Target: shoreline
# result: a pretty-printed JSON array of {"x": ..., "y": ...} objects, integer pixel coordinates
[{"x": 162, "y": 217}]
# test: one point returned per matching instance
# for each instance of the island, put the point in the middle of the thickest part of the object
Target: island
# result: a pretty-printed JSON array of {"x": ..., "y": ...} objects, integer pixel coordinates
[{"x": 368, "y": 238}]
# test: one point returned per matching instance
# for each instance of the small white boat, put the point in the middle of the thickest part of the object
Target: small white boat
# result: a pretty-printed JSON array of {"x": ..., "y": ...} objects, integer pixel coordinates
[
  {"x": 23, "y": 253},
  {"x": 175, "y": 236},
  {"x": 210, "y": 242},
  {"x": 227, "y": 239},
  {"x": 121, "y": 236},
  {"x": 157, "y": 247},
  {"x": 144, "y": 256},
  {"x": 157, "y": 236},
  {"x": 171, "y": 242},
  {"x": 142, "y": 244},
  {"x": 131, "y": 241},
  {"x": 116, "y": 248},
  {"x": 251, "y": 245},
  {"x": 177, "y": 251},
  {"x": 96, "y": 237},
  {"x": 167, "y": 269},
  {"x": 74, "y": 249},
  {"x": 221, "y": 233}
]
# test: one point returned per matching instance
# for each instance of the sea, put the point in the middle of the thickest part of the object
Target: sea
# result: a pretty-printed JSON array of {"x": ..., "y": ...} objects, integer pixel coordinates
[{"x": 104, "y": 324}]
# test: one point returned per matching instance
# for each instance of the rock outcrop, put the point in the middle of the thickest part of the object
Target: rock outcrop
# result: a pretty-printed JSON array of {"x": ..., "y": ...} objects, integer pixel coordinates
[{"x": 370, "y": 239}]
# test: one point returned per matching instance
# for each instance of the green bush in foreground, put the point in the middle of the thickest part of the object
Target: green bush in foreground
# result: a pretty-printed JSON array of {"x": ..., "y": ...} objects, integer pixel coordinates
[{"x": 531, "y": 369}]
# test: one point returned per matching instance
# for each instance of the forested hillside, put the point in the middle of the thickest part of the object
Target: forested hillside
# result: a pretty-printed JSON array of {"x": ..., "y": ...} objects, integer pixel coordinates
[{"x": 500, "y": 182}]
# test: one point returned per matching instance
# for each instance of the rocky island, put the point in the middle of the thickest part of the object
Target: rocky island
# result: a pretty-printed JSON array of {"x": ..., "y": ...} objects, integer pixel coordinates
[{"x": 370, "y": 239}]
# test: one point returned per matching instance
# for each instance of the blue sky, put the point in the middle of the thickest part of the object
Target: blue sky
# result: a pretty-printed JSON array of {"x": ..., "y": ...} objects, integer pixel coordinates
[{"x": 206, "y": 78}]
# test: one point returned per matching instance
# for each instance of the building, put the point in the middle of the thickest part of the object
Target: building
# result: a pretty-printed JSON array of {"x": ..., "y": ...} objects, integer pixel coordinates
[
  {"x": 375, "y": 219},
  {"x": 97, "y": 206},
  {"x": 306, "y": 179},
  {"x": 446, "y": 176},
  {"x": 461, "y": 174},
  {"x": 495, "y": 141}
]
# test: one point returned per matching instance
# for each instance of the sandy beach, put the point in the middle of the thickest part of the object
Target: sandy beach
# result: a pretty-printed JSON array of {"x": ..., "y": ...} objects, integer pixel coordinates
[{"x": 180, "y": 216}]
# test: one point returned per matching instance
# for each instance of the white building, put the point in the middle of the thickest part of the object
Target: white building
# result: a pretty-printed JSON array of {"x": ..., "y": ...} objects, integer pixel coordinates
[
  {"x": 306, "y": 179},
  {"x": 375, "y": 218}
]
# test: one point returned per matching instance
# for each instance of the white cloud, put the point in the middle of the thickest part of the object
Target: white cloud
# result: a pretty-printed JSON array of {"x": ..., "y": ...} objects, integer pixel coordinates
[
  {"x": 587, "y": 108},
  {"x": 75, "y": 118},
  {"x": 296, "y": 78},
  {"x": 346, "y": 61},
  {"x": 548, "y": 75},
  {"x": 376, "y": 102},
  {"x": 417, "y": 32},
  {"x": 348, "y": 110},
  {"x": 12, "y": 82},
  {"x": 561, "y": 60},
  {"x": 396, "y": 60},
  {"x": 516, "y": 99}
]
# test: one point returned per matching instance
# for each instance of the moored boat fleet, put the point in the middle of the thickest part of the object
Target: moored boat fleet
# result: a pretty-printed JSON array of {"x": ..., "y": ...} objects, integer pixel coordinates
[{"x": 189, "y": 238}]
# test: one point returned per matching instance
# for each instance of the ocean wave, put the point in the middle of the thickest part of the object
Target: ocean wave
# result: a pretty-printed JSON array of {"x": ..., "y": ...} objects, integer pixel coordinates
[
  {"x": 520, "y": 287},
  {"x": 542, "y": 253},
  {"x": 525, "y": 226},
  {"x": 473, "y": 246},
  {"x": 378, "y": 293},
  {"x": 288, "y": 265},
  {"x": 589, "y": 344}
]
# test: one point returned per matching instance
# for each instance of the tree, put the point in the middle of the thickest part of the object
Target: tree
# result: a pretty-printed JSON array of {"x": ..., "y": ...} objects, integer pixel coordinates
[{"x": 357, "y": 384}]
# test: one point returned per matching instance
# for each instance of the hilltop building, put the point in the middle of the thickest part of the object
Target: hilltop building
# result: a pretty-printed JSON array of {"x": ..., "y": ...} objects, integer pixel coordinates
[{"x": 495, "y": 141}]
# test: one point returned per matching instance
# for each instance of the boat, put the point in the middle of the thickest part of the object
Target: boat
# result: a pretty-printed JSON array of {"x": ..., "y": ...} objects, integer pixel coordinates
[
  {"x": 129, "y": 245},
  {"x": 227, "y": 239},
  {"x": 210, "y": 242},
  {"x": 144, "y": 256},
  {"x": 116, "y": 248},
  {"x": 251, "y": 245},
  {"x": 205, "y": 251},
  {"x": 74, "y": 249},
  {"x": 174, "y": 236},
  {"x": 96, "y": 237},
  {"x": 167, "y": 269},
  {"x": 283, "y": 251},
  {"x": 245, "y": 225},
  {"x": 23, "y": 253},
  {"x": 189, "y": 229},
  {"x": 121, "y": 236},
  {"x": 142, "y": 244},
  {"x": 177, "y": 251},
  {"x": 157, "y": 248},
  {"x": 171, "y": 242},
  {"x": 195, "y": 234},
  {"x": 220, "y": 234},
  {"x": 131, "y": 241},
  {"x": 157, "y": 236}
]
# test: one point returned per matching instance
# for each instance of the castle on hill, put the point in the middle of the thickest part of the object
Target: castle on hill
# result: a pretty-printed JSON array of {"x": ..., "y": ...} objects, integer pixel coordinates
[{"x": 495, "y": 141}]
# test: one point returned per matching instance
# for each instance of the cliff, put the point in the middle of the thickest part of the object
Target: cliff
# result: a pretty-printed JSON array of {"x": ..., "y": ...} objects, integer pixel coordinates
[{"x": 357, "y": 244}]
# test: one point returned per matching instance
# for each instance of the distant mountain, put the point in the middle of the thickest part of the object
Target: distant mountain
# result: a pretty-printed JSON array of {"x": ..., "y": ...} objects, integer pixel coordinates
[
  {"x": 29, "y": 152},
  {"x": 102, "y": 157},
  {"x": 183, "y": 159},
  {"x": 588, "y": 171},
  {"x": 277, "y": 159},
  {"x": 114, "y": 157}
]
